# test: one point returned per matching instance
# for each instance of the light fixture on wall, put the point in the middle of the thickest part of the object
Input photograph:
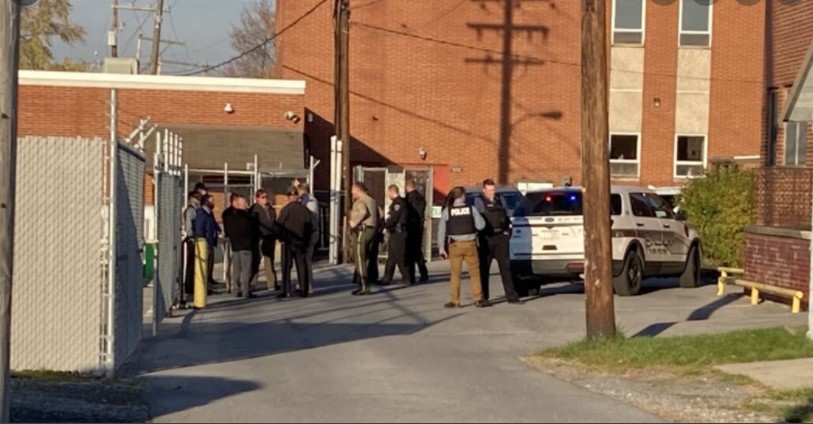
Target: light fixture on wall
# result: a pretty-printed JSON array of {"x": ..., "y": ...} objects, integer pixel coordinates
[
  {"x": 422, "y": 153},
  {"x": 292, "y": 116},
  {"x": 229, "y": 108},
  {"x": 656, "y": 102}
]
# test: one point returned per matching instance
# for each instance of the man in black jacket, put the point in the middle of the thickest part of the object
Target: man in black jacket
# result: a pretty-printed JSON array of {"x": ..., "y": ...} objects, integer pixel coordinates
[
  {"x": 265, "y": 220},
  {"x": 415, "y": 231},
  {"x": 494, "y": 241},
  {"x": 297, "y": 227},
  {"x": 240, "y": 230},
  {"x": 396, "y": 226},
  {"x": 227, "y": 249}
]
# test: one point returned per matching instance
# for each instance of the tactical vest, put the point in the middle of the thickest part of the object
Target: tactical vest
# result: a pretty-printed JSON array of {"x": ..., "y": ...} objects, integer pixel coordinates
[
  {"x": 461, "y": 221},
  {"x": 496, "y": 216}
]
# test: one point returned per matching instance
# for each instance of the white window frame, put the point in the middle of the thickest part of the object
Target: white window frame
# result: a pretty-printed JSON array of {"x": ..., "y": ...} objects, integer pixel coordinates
[
  {"x": 690, "y": 162},
  {"x": 803, "y": 124},
  {"x": 681, "y": 31},
  {"x": 643, "y": 26},
  {"x": 637, "y": 161}
]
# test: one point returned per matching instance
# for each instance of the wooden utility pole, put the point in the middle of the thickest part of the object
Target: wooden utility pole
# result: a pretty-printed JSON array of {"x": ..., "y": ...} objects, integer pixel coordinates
[
  {"x": 9, "y": 64},
  {"x": 114, "y": 31},
  {"x": 158, "y": 15},
  {"x": 343, "y": 103},
  {"x": 598, "y": 274}
]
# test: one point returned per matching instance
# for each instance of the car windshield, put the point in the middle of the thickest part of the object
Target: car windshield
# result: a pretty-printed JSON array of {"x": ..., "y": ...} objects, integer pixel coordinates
[
  {"x": 512, "y": 199},
  {"x": 561, "y": 203}
]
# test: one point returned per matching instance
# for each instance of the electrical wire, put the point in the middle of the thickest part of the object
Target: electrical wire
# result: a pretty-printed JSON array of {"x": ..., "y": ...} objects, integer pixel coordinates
[
  {"x": 541, "y": 59},
  {"x": 260, "y": 45}
]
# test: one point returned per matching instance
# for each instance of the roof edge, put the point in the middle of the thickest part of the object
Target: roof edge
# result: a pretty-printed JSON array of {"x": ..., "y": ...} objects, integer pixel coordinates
[
  {"x": 798, "y": 84},
  {"x": 161, "y": 82}
]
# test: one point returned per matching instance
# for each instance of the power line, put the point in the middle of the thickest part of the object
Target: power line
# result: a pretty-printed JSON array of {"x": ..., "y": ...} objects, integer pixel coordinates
[
  {"x": 541, "y": 59},
  {"x": 262, "y": 44}
]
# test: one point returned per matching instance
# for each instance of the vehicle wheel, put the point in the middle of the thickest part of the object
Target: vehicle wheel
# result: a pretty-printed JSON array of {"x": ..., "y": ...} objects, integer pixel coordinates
[
  {"x": 632, "y": 276},
  {"x": 691, "y": 274}
]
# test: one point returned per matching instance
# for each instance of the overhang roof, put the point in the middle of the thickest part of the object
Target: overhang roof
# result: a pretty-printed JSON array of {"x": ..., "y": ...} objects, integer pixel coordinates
[{"x": 799, "y": 106}]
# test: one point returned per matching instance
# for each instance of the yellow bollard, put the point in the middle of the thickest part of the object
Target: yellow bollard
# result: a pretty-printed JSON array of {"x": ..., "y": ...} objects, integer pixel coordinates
[
  {"x": 201, "y": 275},
  {"x": 754, "y": 296},
  {"x": 721, "y": 283},
  {"x": 797, "y": 303}
]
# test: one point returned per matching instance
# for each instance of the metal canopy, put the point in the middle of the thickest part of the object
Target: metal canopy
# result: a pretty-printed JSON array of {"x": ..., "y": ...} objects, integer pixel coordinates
[{"x": 799, "y": 106}]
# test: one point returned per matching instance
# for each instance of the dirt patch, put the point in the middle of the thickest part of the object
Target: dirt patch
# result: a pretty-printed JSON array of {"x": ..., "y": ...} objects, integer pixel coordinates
[{"x": 708, "y": 397}]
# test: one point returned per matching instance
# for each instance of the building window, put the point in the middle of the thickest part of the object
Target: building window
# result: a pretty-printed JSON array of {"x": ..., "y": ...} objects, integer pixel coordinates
[
  {"x": 628, "y": 22},
  {"x": 773, "y": 115},
  {"x": 690, "y": 156},
  {"x": 695, "y": 23},
  {"x": 795, "y": 143},
  {"x": 624, "y": 155}
]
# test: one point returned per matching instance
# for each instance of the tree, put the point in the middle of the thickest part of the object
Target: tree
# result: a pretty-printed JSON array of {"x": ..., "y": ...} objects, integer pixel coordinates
[
  {"x": 719, "y": 207},
  {"x": 39, "y": 26},
  {"x": 257, "y": 25}
]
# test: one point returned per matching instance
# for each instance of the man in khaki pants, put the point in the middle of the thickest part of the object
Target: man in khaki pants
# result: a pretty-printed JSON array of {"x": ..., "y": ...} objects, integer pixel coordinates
[{"x": 460, "y": 223}]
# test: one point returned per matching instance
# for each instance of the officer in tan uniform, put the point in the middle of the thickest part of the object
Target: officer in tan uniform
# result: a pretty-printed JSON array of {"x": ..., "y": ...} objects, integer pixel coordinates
[{"x": 363, "y": 222}]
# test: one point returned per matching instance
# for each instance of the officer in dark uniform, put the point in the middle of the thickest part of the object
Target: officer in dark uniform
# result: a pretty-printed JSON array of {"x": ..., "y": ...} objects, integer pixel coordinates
[
  {"x": 396, "y": 226},
  {"x": 494, "y": 241},
  {"x": 415, "y": 231}
]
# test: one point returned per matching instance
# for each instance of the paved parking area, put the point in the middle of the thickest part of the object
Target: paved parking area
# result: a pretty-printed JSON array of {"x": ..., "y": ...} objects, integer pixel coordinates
[{"x": 400, "y": 356}]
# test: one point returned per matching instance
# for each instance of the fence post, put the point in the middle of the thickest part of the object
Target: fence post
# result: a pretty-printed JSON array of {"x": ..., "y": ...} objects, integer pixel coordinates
[
  {"x": 112, "y": 227},
  {"x": 156, "y": 205}
]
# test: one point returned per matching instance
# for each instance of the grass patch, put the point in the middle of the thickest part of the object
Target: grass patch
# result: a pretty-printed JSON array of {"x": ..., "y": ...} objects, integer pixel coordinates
[{"x": 621, "y": 354}]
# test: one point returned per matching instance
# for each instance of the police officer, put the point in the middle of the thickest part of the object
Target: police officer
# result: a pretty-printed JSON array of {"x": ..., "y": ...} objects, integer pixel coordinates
[
  {"x": 396, "y": 226},
  {"x": 363, "y": 220},
  {"x": 494, "y": 241},
  {"x": 458, "y": 228},
  {"x": 415, "y": 230}
]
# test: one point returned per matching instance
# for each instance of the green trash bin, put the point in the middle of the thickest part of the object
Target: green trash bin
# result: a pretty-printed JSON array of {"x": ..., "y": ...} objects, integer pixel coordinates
[{"x": 149, "y": 261}]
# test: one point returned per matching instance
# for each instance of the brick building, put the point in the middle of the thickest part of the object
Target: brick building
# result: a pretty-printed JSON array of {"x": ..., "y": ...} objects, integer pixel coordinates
[
  {"x": 77, "y": 104},
  {"x": 778, "y": 246},
  {"x": 687, "y": 83}
]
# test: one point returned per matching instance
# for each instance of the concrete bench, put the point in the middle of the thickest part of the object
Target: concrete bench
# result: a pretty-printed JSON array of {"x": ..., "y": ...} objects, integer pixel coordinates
[{"x": 734, "y": 276}]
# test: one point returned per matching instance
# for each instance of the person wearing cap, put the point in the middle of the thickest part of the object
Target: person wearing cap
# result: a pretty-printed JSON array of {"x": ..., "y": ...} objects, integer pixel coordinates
[
  {"x": 200, "y": 188},
  {"x": 364, "y": 222},
  {"x": 297, "y": 226}
]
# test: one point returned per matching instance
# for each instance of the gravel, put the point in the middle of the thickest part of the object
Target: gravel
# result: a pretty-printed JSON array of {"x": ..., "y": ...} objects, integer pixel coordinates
[
  {"x": 92, "y": 401},
  {"x": 678, "y": 399}
]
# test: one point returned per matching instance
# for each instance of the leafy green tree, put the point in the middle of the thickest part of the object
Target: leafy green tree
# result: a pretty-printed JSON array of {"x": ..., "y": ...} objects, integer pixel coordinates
[
  {"x": 719, "y": 207},
  {"x": 41, "y": 24}
]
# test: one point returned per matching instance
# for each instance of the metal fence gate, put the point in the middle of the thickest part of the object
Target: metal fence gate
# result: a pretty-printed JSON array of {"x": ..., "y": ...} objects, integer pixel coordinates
[
  {"x": 378, "y": 180},
  {"x": 169, "y": 201},
  {"x": 129, "y": 239}
]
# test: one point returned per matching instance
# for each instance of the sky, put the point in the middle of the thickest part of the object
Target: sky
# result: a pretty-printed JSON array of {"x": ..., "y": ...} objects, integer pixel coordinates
[{"x": 203, "y": 25}]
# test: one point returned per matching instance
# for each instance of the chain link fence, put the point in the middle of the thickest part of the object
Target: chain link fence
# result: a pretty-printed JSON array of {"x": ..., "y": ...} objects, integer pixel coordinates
[
  {"x": 129, "y": 239},
  {"x": 169, "y": 201},
  {"x": 65, "y": 315}
]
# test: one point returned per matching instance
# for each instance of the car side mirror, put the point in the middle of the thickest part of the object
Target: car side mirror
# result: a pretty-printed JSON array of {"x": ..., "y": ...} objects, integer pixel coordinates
[{"x": 681, "y": 215}]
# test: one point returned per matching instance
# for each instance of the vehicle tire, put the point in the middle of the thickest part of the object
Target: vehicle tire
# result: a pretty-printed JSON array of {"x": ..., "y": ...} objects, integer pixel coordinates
[
  {"x": 631, "y": 280},
  {"x": 691, "y": 274}
]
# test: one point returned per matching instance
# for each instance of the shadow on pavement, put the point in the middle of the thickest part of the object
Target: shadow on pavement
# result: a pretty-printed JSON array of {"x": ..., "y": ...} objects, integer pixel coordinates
[
  {"x": 179, "y": 393},
  {"x": 702, "y": 313}
]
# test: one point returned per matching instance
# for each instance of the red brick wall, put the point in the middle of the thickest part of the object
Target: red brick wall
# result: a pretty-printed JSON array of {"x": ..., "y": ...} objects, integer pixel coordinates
[
  {"x": 780, "y": 261},
  {"x": 660, "y": 68},
  {"x": 737, "y": 85},
  {"x": 72, "y": 111},
  {"x": 409, "y": 91}
]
